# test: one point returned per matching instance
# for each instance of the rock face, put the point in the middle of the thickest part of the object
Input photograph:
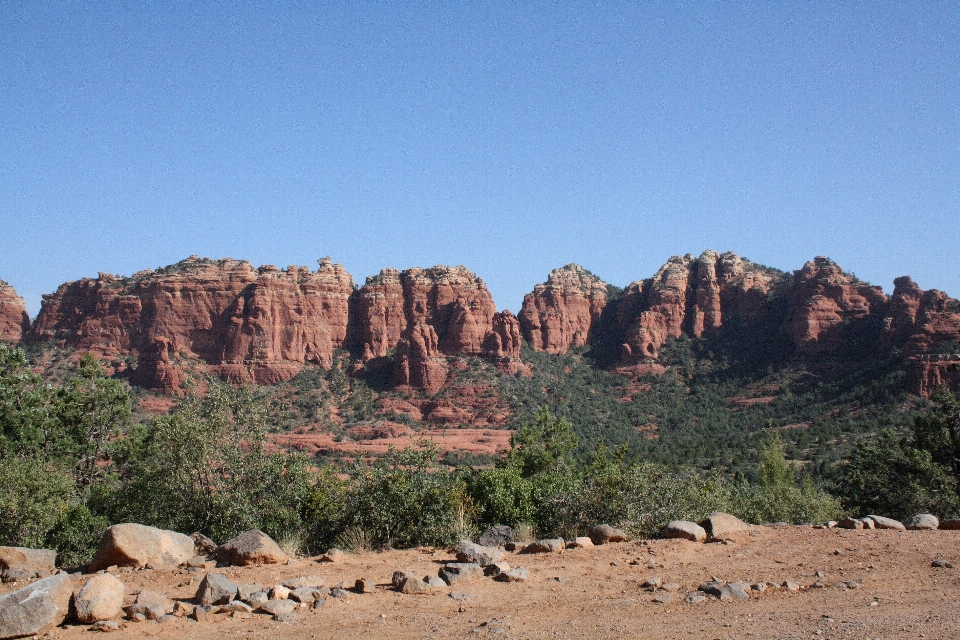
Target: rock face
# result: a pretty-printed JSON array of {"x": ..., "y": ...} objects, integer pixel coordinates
[
  {"x": 560, "y": 313},
  {"x": 137, "y": 545},
  {"x": 14, "y": 320},
  {"x": 427, "y": 315},
  {"x": 691, "y": 296},
  {"x": 239, "y": 322},
  {"x": 35, "y": 608}
]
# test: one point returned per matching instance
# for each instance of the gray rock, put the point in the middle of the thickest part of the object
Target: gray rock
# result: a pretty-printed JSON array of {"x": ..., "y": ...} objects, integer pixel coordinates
[
  {"x": 663, "y": 598},
  {"x": 399, "y": 577},
  {"x": 941, "y": 564},
  {"x": 216, "y": 588},
  {"x": 496, "y": 569},
  {"x": 550, "y": 545},
  {"x": 734, "y": 591},
  {"x": 514, "y": 575},
  {"x": 277, "y": 607},
  {"x": 791, "y": 586},
  {"x": 455, "y": 572},
  {"x": 887, "y": 523},
  {"x": 850, "y": 523},
  {"x": 652, "y": 583},
  {"x": 236, "y": 606},
  {"x": 580, "y": 542},
  {"x": 868, "y": 523},
  {"x": 244, "y": 591},
  {"x": 435, "y": 582},
  {"x": 469, "y": 552},
  {"x": 105, "y": 626},
  {"x": 712, "y": 588},
  {"x": 415, "y": 586},
  {"x": 285, "y": 618},
  {"x": 100, "y": 598},
  {"x": 303, "y": 581},
  {"x": 304, "y": 595},
  {"x": 339, "y": 593},
  {"x": 36, "y": 607},
  {"x": 137, "y": 545},
  {"x": 670, "y": 586},
  {"x": 319, "y": 602},
  {"x": 604, "y": 534},
  {"x": 685, "y": 530},
  {"x": 497, "y": 536},
  {"x": 923, "y": 522},
  {"x": 256, "y": 599},
  {"x": 252, "y": 547},
  {"x": 695, "y": 598},
  {"x": 31, "y": 561}
]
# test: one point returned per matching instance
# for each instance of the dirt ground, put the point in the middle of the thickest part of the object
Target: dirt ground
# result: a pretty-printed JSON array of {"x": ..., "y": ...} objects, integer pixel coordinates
[{"x": 596, "y": 593}]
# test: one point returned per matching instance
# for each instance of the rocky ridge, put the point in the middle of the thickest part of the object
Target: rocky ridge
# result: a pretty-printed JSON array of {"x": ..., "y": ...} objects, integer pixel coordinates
[{"x": 229, "y": 319}]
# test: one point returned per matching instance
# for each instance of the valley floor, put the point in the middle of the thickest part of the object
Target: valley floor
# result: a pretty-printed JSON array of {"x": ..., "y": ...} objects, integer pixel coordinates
[{"x": 596, "y": 593}]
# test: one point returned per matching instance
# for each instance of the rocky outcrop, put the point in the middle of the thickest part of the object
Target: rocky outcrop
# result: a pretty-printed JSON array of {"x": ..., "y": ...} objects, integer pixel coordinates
[
  {"x": 823, "y": 301},
  {"x": 560, "y": 313},
  {"x": 426, "y": 315},
  {"x": 14, "y": 320},
  {"x": 239, "y": 322},
  {"x": 691, "y": 296}
]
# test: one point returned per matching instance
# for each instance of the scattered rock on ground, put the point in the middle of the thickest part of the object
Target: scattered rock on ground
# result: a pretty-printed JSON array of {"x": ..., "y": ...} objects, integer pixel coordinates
[
  {"x": 277, "y": 607},
  {"x": 105, "y": 626},
  {"x": 415, "y": 586},
  {"x": 244, "y": 591},
  {"x": 365, "y": 585},
  {"x": 514, "y": 575},
  {"x": 941, "y": 564},
  {"x": 604, "y": 533},
  {"x": 497, "y": 536},
  {"x": 552, "y": 545},
  {"x": 100, "y": 598},
  {"x": 695, "y": 598},
  {"x": 734, "y": 591},
  {"x": 923, "y": 522},
  {"x": 251, "y": 548},
  {"x": 216, "y": 588},
  {"x": 137, "y": 545},
  {"x": 469, "y": 552},
  {"x": 580, "y": 542},
  {"x": 460, "y": 572},
  {"x": 663, "y": 598},
  {"x": 496, "y": 569},
  {"x": 279, "y": 592},
  {"x": 332, "y": 555},
  {"x": 36, "y": 607},
  {"x": 399, "y": 577},
  {"x": 887, "y": 523},
  {"x": 685, "y": 530},
  {"x": 850, "y": 523},
  {"x": 151, "y": 605}
]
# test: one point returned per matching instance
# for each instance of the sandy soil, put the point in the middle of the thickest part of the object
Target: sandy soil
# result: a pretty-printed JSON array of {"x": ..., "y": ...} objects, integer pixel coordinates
[{"x": 595, "y": 593}]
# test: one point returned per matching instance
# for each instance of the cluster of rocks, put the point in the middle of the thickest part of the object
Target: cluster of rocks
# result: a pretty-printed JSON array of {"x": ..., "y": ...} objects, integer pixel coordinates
[
  {"x": 730, "y": 591},
  {"x": 718, "y": 527},
  {"x": 919, "y": 522},
  {"x": 100, "y": 599}
]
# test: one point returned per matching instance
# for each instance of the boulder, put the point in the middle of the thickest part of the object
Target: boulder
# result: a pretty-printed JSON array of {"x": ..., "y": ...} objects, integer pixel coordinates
[
  {"x": 469, "y": 552},
  {"x": 460, "y": 572},
  {"x": 216, "y": 588},
  {"x": 685, "y": 530},
  {"x": 35, "y": 608},
  {"x": 251, "y": 548},
  {"x": 137, "y": 545},
  {"x": 202, "y": 545},
  {"x": 923, "y": 522},
  {"x": 604, "y": 533},
  {"x": 100, "y": 598},
  {"x": 549, "y": 545},
  {"x": 951, "y": 525},
  {"x": 31, "y": 561},
  {"x": 721, "y": 525},
  {"x": 497, "y": 536},
  {"x": 850, "y": 523},
  {"x": 887, "y": 523}
]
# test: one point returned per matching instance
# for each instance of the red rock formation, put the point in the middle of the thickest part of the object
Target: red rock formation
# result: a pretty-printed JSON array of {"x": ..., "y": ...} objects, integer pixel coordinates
[
  {"x": 393, "y": 310},
  {"x": 560, "y": 313},
  {"x": 14, "y": 320},
  {"x": 927, "y": 372},
  {"x": 240, "y": 323},
  {"x": 691, "y": 296},
  {"x": 823, "y": 298}
]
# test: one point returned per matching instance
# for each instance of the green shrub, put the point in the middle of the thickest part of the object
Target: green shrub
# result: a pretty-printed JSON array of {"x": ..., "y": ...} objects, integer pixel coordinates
[
  {"x": 502, "y": 496},
  {"x": 76, "y": 536},
  {"x": 34, "y": 495}
]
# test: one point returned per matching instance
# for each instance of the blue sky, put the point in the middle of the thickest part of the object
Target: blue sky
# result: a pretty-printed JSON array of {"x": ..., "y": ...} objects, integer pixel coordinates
[{"x": 509, "y": 137}]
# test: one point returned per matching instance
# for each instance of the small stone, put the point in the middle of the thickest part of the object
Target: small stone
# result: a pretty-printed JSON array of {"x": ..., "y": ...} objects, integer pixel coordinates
[
  {"x": 663, "y": 598},
  {"x": 276, "y": 607},
  {"x": 514, "y": 575},
  {"x": 581, "y": 542},
  {"x": 720, "y": 525},
  {"x": 244, "y": 591},
  {"x": 759, "y": 587},
  {"x": 712, "y": 588},
  {"x": 734, "y": 591},
  {"x": 303, "y": 595},
  {"x": 235, "y": 606},
  {"x": 496, "y": 569},
  {"x": 670, "y": 586},
  {"x": 695, "y": 598},
  {"x": 818, "y": 585},
  {"x": 332, "y": 555},
  {"x": 435, "y": 582},
  {"x": 460, "y": 572},
  {"x": 652, "y": 583},
  {"x": 550, "y": 545},
  {"x": 106, "y": 626},
  {"x": 319, "y": 602},
  {"x": 365, "y": 585},
  {"x": 460, "y": 596},
  {"x": 285, "y": 617},
  {"x": 339, "y": 593},
  {"x": 199, "y": 614},
  {"x": 415, "y": 586},
  {"x": 467, "y": 551},
  {"x": 137, "y": 617},
  {"x": 791, "y": 586},
  {"x": 182, "y": 609},
  {"x": 256, "y": 599},
  {"x": 197, "y": 562},
  {"x": 216, "y": 588},
  {"x": 399, "y": 577},
  {"x": 941, "y": 564}
]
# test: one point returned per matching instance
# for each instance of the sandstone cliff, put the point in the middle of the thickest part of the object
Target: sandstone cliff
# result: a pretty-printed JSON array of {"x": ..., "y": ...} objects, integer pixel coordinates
[
  {"x": 13, "y": 315},
  {"x": 241, "y": 323},
  {"x": 560, "y": 313}
]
